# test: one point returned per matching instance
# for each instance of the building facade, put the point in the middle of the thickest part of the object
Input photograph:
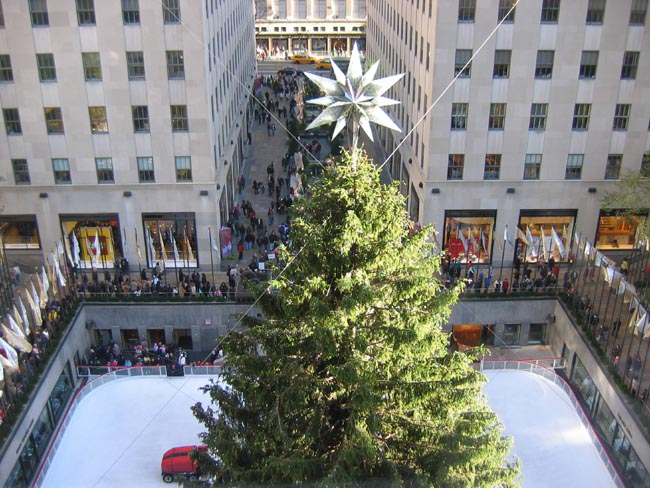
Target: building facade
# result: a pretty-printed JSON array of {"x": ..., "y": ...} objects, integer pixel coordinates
[
  {"x": 515, "y": 116},
  {"x": 123, "y": 127},
  {"x": 318, "y": 27}
]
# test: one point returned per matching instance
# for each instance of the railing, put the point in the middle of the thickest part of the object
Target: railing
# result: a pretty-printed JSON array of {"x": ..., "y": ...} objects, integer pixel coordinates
[
  {"x": 111, "y": 374},
  {"x": 529, "y": 365}
]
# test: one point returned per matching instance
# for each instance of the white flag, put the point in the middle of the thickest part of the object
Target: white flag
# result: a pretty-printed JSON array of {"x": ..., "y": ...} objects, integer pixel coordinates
[
  {"x": 35, "y": 301},
  {"x": 42, "y": 294},
  {"x": 23, "y": 314},
  {"x": 44, "y": 279},
  {"x": 59, "y": 248},
  {"x": 176, "y": 256},
  {"x": 214, "y": 244},
  {"x": 542, "y": 236},
  {"x": 75, "y": 249},
  {"x": 529, "y": 236},
  {"x": 12, "y": 355},
  {"x": 16, "y": 340},
  {"x": 19, "y": 319},
  {"x": 96, "y": 248},
  {"x": 14, "y": 326},
  {"x": 506, "y": 237},
  {"x": 558, "y": 241},
  {"x": 152, "y": 250},
  {"x": 57, "y": 269}
]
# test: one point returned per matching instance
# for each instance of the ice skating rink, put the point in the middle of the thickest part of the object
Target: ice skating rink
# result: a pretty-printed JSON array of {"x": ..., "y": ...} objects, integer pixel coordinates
[{"x": 119, "y": 432}]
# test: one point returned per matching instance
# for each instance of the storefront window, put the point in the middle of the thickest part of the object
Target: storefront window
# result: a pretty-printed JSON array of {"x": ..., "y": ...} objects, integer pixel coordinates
[
  {"x": 319, "y": 46},
  {"x": 130, "y": 338},
  {"x": 16, "y": 478},
  {"x": 537, "y": 333},
  {"x": 20, "y": 232},
  {"x": 584, "y": 384},
  {"x": 156, "y": 335},
  {"x": 548, "y": 232},
  {"x": 468, "y": 235},
  {"x": 511, "y": 334},
  {"x": 299, "y": 45},
  {"x": 183, "y": 338},
  {"x": 93, "y": 241},
  {"x": 29, "y": 459},
  {"x": 279, "y": 47},
  {"x": 617, "y": 231},
  {"x": 42, "y": 431},
  {"x": 605, "y": 421},
  {"x": 60, "y": 394},
  {"x": 170, "y": 240}
]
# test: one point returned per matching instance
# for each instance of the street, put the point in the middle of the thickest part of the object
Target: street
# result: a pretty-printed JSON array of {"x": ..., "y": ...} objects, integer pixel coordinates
[{"x": 271, "y": 67}]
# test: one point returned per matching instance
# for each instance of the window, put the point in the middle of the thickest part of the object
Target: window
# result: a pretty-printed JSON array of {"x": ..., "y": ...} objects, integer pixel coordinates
[
  {"x": 581, "y": 113},
  {"x": 12, "y": 121},
  {"x": 544, "y": 66},
  {"x": 501, "y": 63},
  {"x": 492, "y": 167},
  {"x": 183, "y": 168},
  {"x": 588, "y": 64},
  {"x": 645, "y": 165},
  {"x": 574, "y": 166},
  {"x": 92, "y": 66},
  {"x": 175, "y": 68},
  {"x": 595, "y": 11},
  {"x": 21, "y": 171},
  {"x": 455, "y": 166},
  {"x": 38, "y": 12},
  {"x": 53, "y": 120},
  {"x": 135, "y": 65},
  {"x": 179, "y": 118},
  {"x": 538, "y": 116},
  {"x": 2, "y": 16},
  {"x": 638, "y": 12},
  {"x": 630, "y": 64},
  {"x": 171, "y": 11},
  {"x": 459, "y": 116},
  {"x": 130, "y": 11},
  {"x": 145, "y": 170},
  {"x": 621, "y": 116},
  {"x": 98, "y": 121},
  {"x": 613, "y": 168},
  {"x": 466, "y": 10},
  {"x": 532, "y": 166},
  {"x": 505, "y": 14},
  {"x": 46, "y": 68},
  {"x": 550, "y": 11},
  {"x": 497, "y": 116},
  {"x": 104, "y": 170},
  {"x": 140, "y": 118},
  {"x": 86, "y": 12},
  {"x": 61, "y": 168},
  {"x": 463, "y": 57},
  {"x": 6, "y": 74}
]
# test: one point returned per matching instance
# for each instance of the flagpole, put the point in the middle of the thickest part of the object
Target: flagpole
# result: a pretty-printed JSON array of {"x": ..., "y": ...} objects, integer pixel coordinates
[
  {"x": 88, "y": 250},
  {"x": 125, "y": 252},
  {"x": 211, "y": 260},
  {"x": 503, "y": 253},
  {"x": 174, "y": 252},
  {"x": 99, "y": 248},
  {"x": 186, "y": 251},
  {"x": 137, "y": 250}
]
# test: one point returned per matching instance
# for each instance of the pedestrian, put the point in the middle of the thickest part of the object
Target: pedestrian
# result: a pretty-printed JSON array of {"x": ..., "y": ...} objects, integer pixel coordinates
[{"x": 240, "y": 249}]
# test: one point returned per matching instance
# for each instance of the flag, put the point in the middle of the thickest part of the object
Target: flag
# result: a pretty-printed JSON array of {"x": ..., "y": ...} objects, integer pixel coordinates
[
  {"x": 190, "y": 254},
  {"x": 14, "y": 326},
  {"x": 473, "y": 240},
  {"x": 463, "y": 239},
  {"x": 542, "y": 236},
  {"x": 6, "y": 365},
  {"x": 57, "y": 269},
  {"x": 36, "y": 301},
  {"x": 137, "y": 245},
  {"x": 12, "y": 355},
  {"x": 522, "y": 237},
  {"x": 75, "y": 249},
  {"x": 42, "y": 294},
  {"x": 506, "y": 237},
  {"x": 59, "y": 248},
  {"x": 97, "y": 251},
  {"x": 16, "y": 340},
  {"x": 558, "y": 241},
  {"x": 23, "y": 314},
  {"x": 151, "y": 249},
  {"x": 529, "y": 238},
  {"x": 19, "y": 319},
  {"x": 176, "y": 255},
  {"x": 163, "y": 251},
  {"x": 44, "y": 279},
  {"x": 213, "y": 243},
  {"x": 483, "y": 241}
]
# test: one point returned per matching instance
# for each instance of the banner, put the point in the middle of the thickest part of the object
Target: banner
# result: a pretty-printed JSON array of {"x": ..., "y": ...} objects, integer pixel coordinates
[{"x": 226, "y": 242}]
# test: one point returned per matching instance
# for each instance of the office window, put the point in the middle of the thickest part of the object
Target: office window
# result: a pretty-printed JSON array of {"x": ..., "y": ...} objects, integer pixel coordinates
[
  {"x": 638, "y": 12},
  {"x": 581, "y": 113},
  {"x": 21, "y": 171},
  {"x": 12, "y": 121},
  {"x": 175, "y": 67},
  {"x": 497, "y": 118},
  {"x": 2, "y": 16},
  {"x": 104, "y": 170},
  {"x": 38, "y": 12},
  {"x": 466, "y": 10},
  {"x": 53, "y": 120},
  {"x": 595, "y": 11},
  {"x": 92, "y": 66},
  {"x": 130, "y": 11},
  {"x": 145, "y": 170},
  {"x": 459, "y": 116},
  {"x": 463, "y": 57},
  {"x": 492, "y": 167},
  {"x": 183, "y": 168},
  {"x": 502, "y": 63},
  {"x": 455, "y": 166},
  {"x": 6, "y": 73},
  {"x": 135, "y": 65},
  {"x": 86, "y": 12},
  {"x": 171, "y": 11},
  {"x": 621, "y": 116},
  {"x": 140, "y": 118},
  {"x": 630, "y": 64},
  {"x": 613, "y": 168},
  {"x": 645, "y": 165},
  {"x": 538, "y": 116},
  {"x": 504, "y": 11},
  {"x": 179, "y": 118},
  {"x": 574, "y": 166},
  {"x": 532, "y": 166},
  {"x": 61, "y": 168},
  {"x": 98, "y": 120},
  {"x": 550, "y": 11},
  {"x": 46, "y": 68},
  {"x": 588, "y": 64},
  {"x": 544, "y": 66}
]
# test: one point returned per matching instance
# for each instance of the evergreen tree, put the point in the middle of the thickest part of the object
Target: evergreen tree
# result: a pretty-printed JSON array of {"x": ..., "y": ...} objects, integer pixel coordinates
[{"x": 348, "y": 377}]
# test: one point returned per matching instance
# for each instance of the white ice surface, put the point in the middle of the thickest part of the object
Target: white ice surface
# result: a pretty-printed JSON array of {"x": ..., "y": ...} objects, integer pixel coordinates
[
  {"x": 120, "y": 431},
  {"x": 552, "y": 444}
]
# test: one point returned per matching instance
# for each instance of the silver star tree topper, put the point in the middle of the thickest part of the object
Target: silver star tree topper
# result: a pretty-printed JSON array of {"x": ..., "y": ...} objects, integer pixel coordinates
[{"x": 354, "y": 96}]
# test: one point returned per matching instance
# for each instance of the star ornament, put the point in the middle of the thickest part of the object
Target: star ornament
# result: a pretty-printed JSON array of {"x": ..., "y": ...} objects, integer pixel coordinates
[{"x": 356, "y": 96}]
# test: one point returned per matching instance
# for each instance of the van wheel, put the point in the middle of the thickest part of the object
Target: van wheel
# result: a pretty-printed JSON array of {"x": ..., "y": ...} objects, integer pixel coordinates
[{"x": 168, "y": 478}]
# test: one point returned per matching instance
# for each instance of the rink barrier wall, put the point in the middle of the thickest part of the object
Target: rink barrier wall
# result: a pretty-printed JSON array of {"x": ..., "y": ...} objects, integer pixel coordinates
[
  {"x": 536, "y": 366},
  {"x": 110, "y": 374}
]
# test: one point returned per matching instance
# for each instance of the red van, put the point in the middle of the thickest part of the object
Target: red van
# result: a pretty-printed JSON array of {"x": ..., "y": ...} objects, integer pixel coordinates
[{"x": 177, "y": 463}]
